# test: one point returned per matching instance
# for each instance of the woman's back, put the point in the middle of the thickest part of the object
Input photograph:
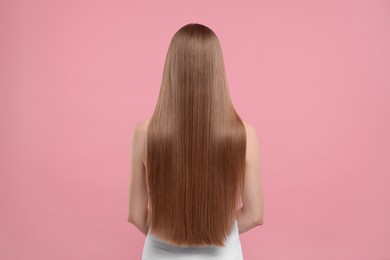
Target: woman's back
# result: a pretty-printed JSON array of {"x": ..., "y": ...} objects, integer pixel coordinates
[{"x": 156, "y": 249}]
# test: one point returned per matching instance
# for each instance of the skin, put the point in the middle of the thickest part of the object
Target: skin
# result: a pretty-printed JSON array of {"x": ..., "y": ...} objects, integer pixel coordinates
[
  {"x": 248, "y": 216},
  {"x": 138, "y": 196}
]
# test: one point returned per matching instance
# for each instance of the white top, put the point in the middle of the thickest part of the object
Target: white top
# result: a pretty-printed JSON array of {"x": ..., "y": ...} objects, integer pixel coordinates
[{"x": 157, "y": 249}]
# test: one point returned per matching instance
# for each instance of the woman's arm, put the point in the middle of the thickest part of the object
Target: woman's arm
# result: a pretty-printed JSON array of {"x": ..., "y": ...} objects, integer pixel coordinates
[
  {"x": 138, "y": 195},
  {"x": 251, "y": 214}
]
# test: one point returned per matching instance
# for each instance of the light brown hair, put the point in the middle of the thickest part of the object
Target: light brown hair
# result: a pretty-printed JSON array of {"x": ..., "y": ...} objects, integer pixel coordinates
[{"x": 196, "y": 145}]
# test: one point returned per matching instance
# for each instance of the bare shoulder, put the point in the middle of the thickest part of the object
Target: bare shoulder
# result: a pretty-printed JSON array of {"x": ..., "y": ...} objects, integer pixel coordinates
[
  {"x": 252, "y": 142},
  {"x": 250, "y": 131},
  {"x": 139, "y": 137},
  {"x": 142, "y": 126}
]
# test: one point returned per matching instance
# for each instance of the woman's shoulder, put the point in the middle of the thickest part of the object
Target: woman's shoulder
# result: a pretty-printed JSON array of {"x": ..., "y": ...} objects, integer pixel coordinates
[
  {"x": 250, "y": 130},
  {"x": 140, "y": 129},
  {"x": 142, "y": 126}
]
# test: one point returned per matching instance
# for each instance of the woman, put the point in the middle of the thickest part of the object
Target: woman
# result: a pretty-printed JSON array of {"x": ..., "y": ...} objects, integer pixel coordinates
[{"x": 195, "y": 182}]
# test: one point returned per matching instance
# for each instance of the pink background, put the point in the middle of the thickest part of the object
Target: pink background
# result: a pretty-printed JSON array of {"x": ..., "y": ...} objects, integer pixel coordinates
[{"x": 311, "y": 76}]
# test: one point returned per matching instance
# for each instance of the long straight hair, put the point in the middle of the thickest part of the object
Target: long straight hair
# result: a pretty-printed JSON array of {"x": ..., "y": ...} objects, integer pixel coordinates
[{"x": 195, "y": 145}]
